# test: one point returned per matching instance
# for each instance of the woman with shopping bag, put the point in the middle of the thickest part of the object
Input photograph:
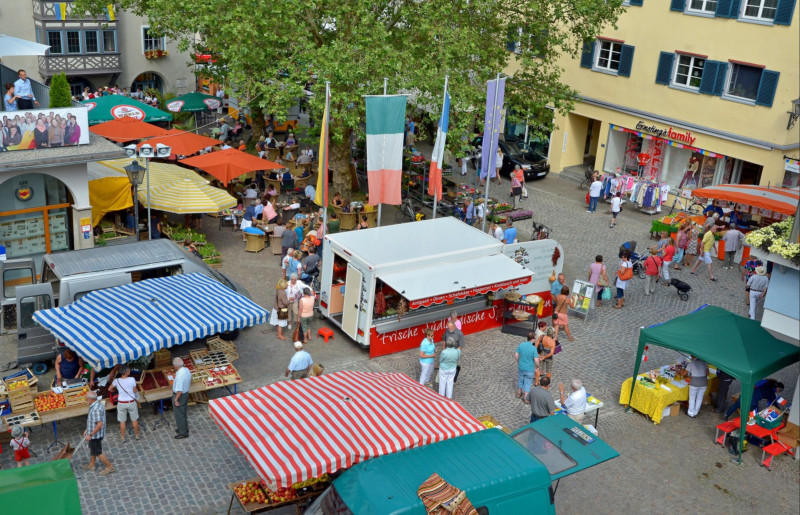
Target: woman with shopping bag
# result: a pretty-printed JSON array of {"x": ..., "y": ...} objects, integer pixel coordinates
[{"x": 599, "y": 278}]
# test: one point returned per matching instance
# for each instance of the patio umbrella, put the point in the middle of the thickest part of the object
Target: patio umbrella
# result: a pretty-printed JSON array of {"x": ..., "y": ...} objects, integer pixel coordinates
[
  {"x": 229, "y": 164},
  {"x": 193, "y": 102},
  {"x": 127, "y": 129},
  {"x": 780, "y": 200},
  {"x": 108, "y": 108},
  {"x": 9, "y": 45},
  {"x": 185, "y": 196},
  {"x": 183, "y": 143}
]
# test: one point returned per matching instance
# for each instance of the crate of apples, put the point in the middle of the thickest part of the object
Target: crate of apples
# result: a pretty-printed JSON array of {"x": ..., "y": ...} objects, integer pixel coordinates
[
  {"x": 49, "y": 402},
  {"x": 251, "y": 492},
  {"x": 283, "y": 495}
]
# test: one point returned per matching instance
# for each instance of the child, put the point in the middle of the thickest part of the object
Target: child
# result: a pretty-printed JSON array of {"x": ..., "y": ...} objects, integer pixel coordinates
[{"x": 20, "y": 443}]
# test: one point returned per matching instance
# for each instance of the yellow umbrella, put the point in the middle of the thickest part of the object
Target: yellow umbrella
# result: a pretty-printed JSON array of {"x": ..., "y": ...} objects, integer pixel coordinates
[
  {"x": 186, "y": 195},
  {"x": 158, "y": 170}
]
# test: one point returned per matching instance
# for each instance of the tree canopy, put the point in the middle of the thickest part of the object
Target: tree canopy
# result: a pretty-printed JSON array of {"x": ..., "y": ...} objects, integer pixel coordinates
[{"x": 267, "y": 51}]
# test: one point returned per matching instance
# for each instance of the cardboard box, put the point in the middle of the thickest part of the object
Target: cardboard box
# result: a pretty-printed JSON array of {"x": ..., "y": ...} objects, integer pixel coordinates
[
  {"x": 790, "y": 435},
  {"x": 671, "y": 411}
]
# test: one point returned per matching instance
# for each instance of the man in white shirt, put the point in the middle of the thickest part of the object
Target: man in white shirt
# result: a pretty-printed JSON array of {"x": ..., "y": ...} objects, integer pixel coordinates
[
  {"x": 594, "y": 194},
  {"x": 251, "y": 192},
  {"x": 497, "y": 232},
  {"x": 180, "y": 398},
  {"x": 310, "y": 192},
  {"x": 294, "y": 290},
  {"x": 575, "y": 403}
]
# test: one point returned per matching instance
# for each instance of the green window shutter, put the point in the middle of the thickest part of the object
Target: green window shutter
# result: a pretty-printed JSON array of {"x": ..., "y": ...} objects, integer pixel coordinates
[
  {"x": 637, "y": 2},
  {"x": 625, "y": 61},
  {"x": 709, "y": 77},
  {"x": 587, "y": 56},
  {"x": 719, "y": 83},
  {"x": 677, "y": 5},
  {"x": 766, "y": 88},
  {"x": 783, "y": 16},
  {"x": 664, "y": 71}
]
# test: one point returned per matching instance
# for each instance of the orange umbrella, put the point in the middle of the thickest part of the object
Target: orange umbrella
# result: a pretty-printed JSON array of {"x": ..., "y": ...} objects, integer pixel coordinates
[
  {"x": 183, "y": 143},
  {"x": 127, "y": 129},
  {"x": 229, "y": 164}
]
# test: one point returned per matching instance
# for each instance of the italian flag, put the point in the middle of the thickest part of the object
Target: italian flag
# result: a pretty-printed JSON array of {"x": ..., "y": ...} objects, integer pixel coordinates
[{"x": 385, "y": 122}]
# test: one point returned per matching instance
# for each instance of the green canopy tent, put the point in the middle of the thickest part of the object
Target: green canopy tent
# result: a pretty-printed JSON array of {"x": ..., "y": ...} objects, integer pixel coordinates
[
  {"x": 737, "y": 345},
  {"x": 193, "y": 102},
  {"x": 44, "y": 488},
  {"x": 105, "y": 109}
]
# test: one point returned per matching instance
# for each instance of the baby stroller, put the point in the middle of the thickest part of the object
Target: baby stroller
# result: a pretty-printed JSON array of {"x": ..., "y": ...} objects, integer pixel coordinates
[
  {"x": 682, "y": 287},
  {"x": 637, "y": 260}
]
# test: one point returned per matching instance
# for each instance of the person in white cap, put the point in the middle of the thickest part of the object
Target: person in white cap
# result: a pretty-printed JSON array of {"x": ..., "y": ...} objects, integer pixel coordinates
[
  {"x": 20, "y": 444},
  {"x": 757, "y": 285},
  {"x": 300, "y": 364}
]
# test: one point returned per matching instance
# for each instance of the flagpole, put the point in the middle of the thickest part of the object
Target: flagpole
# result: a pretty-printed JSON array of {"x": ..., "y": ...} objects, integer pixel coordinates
[
  {"x": 385, "y": 87},
  {"x": 444, "y": 97},
  {"x": 491, "y": 148},
  {"x": 325, "y": 157}
]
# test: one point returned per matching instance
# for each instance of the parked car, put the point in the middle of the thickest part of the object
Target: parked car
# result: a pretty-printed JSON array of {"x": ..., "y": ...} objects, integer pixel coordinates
[{"x": 532, "y": 160}]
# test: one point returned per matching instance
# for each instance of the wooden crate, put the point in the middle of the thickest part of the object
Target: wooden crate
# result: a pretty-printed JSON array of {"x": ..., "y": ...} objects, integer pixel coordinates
[
  {"x": 22, "y": 405},
  {"x": 43, "y": 394},
  {"x": 163, "y": 358},
  {"x": 199, "y": 358},
  {"x": 198, "y": 398},
  {"x": 24, "y": 419},
  {"x": 74, "y": 396}
]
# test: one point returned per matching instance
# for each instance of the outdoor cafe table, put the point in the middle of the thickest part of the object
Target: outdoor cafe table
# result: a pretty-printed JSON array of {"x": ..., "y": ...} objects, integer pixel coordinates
[{"x": 653, "y": 401}]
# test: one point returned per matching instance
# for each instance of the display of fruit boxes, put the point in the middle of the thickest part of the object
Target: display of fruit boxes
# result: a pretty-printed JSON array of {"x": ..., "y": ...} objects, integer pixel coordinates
[
  {"x": 75, "y": 396},
  {"x": 217, "y": 358},
  {"x": 26, "y": 374},
  {"x": 198, "y": 358},
  {"x": 21, "y": 419},
  {"x": 199, "y": 376},
  {"x": 49, "y": 401},
  {"x": 163, "y": 358},
  {"x": 20, "y": 397}
]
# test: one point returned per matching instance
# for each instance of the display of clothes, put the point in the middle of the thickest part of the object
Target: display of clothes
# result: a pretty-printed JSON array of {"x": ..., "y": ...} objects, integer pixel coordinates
[{"x": 648, "y": 195}]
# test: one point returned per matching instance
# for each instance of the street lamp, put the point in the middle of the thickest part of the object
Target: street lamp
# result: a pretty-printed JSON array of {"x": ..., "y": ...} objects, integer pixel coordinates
[
  {"x": 794, "y": 114},
  {"x": 147, "y": 152},
  {"x": 135, "y": 174}
]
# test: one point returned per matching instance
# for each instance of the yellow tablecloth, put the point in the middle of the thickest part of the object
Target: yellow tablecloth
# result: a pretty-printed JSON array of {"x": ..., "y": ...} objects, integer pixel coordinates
[{"x": 652, "y": 401}]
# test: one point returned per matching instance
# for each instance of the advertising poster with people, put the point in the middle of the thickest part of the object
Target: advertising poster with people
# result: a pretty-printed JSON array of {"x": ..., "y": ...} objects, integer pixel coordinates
[{"x": 44, "y": 128}]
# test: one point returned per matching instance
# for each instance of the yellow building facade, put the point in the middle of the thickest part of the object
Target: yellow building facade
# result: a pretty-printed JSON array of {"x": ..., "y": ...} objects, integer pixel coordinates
[{"x": 688, "y": 93}]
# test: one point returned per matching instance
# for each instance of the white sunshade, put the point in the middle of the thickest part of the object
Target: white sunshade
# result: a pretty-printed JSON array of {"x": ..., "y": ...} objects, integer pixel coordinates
[{"x": 450, "y": 280}]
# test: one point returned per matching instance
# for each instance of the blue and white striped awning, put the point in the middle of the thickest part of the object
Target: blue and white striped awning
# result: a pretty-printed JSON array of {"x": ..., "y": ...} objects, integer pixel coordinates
[{"x": 120, "y": 324}]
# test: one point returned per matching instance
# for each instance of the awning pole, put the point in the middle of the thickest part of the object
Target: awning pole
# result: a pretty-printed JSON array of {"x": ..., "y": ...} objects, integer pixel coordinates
[{"x": 385, "y": 87}]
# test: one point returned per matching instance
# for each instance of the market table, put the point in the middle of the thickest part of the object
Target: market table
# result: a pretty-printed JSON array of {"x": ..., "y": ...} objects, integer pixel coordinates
[
  {"x": 591, "y": 407},
  {"x": 653, "y": 401}
]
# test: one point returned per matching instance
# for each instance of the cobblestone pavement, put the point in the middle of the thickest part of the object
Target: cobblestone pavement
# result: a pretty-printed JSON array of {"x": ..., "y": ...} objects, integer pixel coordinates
[{"x": 673, "y": 465}]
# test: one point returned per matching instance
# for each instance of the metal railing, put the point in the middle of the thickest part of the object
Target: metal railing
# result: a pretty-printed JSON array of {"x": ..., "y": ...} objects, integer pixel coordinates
[{"x": 40, "y": 91}]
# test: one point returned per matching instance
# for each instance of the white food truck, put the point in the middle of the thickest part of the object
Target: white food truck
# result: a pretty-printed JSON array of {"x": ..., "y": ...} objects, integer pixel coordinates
[{"x": 428, "y": 269}]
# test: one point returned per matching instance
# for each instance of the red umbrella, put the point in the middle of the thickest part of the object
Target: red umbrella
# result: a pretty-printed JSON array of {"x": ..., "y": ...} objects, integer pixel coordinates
[
  {"x": 229, "y": 164},
  {"x": 127, "y": 129},
  {"x": 183, "y": 143}
]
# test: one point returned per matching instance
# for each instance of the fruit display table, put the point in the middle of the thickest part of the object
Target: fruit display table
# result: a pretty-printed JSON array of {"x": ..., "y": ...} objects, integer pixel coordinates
[
  {"x": 651, "y": 399},
  {"x": 255, "y": 497}
]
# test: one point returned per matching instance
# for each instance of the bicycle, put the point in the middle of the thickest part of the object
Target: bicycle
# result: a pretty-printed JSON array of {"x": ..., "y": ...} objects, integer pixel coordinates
[
  {"x": 587, "y": 181},
  {"x": 694, "y": 206},
  {"x": 406, "y": 212}
]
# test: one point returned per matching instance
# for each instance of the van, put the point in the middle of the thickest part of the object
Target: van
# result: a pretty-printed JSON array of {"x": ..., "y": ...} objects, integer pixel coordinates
[
  {"x": 68, "y": 276},
  {"x": 501, "y": 474}
]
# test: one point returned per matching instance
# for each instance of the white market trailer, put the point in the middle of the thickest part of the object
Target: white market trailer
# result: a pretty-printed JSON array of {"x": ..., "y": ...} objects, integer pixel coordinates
[{"x": 436, "y": 266}]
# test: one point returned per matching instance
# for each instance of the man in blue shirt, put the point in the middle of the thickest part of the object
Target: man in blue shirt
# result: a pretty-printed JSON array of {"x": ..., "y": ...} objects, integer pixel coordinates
[
  {"x": 24, "y": 90},
  {"x": 470, "y": 216},
  {"x": 711, "y": 208},
  {"x": 527, "y": 361},
  {"x": 300, "y": 364},
  {"x": 510, "y": 234},
  {"x": 555, "y": 287}
]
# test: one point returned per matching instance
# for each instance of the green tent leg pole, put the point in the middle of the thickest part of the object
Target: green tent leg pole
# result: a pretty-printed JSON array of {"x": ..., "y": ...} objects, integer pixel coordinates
[
  {"x": 744, "y": 407},
  {"x": 639, "y": 353}
]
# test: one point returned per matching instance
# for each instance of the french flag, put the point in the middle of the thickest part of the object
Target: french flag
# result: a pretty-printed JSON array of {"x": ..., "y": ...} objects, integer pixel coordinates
[
  {"x": 435, "y": 176},
  {"x": 780, "y": 401}
]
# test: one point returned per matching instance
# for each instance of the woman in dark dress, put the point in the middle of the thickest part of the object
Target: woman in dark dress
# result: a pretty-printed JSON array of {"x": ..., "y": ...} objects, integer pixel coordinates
[{"x": 40, "y": 135}]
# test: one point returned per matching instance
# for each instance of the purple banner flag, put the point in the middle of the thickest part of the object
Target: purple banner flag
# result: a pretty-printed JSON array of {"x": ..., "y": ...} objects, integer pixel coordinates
[{"x": 491, "y": 125}]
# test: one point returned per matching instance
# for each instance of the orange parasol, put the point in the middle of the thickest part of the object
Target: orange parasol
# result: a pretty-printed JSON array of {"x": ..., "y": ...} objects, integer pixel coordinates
[
  {"x": 229, "y": 164},
  {"x": 127, "y": 129},
  {"x": 183, "y": 143},
  {"x": 780, "y": 200}
]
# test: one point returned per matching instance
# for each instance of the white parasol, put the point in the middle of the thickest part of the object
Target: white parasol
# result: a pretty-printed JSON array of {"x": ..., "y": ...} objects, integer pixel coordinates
[{"x": 9, "y": 45}]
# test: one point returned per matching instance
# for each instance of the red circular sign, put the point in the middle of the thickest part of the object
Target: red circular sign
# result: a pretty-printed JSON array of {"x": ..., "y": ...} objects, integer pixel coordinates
[{"x": 127, "y": 111}]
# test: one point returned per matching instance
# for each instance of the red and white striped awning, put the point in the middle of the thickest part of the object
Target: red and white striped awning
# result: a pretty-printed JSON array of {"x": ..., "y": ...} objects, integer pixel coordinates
[
  {"x": 291, "y": 431},
  {"x": 780, "y": 200}
]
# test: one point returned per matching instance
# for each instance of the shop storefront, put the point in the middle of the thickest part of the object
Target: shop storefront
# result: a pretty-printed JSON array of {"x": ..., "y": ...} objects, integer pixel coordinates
[{"x": 673, "y": 157}]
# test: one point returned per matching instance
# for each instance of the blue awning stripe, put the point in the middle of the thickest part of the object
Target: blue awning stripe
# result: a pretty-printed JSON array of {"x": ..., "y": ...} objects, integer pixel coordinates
[{"x": 120, "y": 324}]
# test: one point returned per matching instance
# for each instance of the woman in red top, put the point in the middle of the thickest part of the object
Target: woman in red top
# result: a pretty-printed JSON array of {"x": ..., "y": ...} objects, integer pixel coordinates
[{"x": 668, "y": 256}]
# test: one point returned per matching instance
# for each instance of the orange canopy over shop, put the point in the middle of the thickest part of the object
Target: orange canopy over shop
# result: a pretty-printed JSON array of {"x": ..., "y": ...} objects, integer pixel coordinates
[
  {"x": 127, "y": 129},
  {"x": 182, "y": 143},
  {"x": 229, "y": 164},
  {"x": 780, "y": 200}
]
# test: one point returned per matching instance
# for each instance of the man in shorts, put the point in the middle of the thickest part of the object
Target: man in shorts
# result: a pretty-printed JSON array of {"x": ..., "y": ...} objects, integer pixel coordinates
[
  {"x": 95, "y": 431},
  {"x": 126, "y": 403},
  {"x": 708, "y": 244}
]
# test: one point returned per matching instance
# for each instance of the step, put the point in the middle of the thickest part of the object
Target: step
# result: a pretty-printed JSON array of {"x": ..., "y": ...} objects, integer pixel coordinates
[{"x": 573, "y": 173}]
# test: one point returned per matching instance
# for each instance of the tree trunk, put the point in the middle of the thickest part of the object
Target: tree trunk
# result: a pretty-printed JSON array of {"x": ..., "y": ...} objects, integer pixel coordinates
[
  {"x": 257, "y": 121},
  {"x": 339, "y": 164}
]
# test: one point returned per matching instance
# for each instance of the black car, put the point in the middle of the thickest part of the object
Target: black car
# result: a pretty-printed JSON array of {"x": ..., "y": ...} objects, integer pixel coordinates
[{"x": 532, "y": 162}]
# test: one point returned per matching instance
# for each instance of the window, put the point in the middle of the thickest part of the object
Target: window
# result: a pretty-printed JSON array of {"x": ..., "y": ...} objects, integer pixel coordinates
[
  {"x": 92, "y": 44},
  {"x": 151, "y": 42},
  {"x": 702, "y": 6},
  {"x": 743, "y": 81},
  {"x": 39, "y": 35},
  {"x": 73, "y": 42},
  {"x": 109, "y": 41},
  {"x": 760, "y": 10},
  {"x": 688, "y": 71},
  {"x": 54, "y": 40},
  {"x": 608, "y": 56}
]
